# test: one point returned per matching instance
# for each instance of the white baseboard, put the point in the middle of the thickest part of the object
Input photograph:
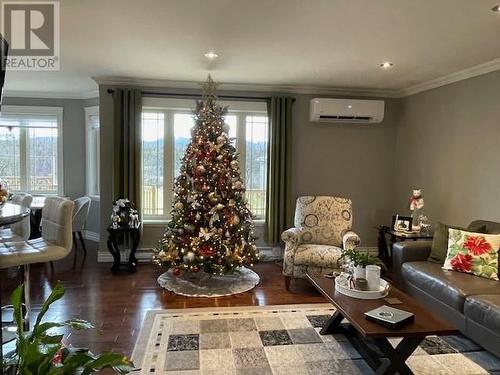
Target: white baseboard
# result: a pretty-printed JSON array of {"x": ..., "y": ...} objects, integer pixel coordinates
[
  {"x": 267, "y": 253},
  {"x": 91, "y": 236},
  {"x": 144, "y": 255}
]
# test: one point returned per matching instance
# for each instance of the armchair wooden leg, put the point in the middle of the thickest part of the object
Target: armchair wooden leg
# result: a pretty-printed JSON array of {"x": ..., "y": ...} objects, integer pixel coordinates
[{"x": 288, "y": 279}]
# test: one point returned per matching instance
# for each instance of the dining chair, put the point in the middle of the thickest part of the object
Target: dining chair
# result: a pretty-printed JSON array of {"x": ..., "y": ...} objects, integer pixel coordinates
[
  {"x": 80, "y": 214},
  {"x": 55, "y": 244},
  {"x": 19, "y": 231}
]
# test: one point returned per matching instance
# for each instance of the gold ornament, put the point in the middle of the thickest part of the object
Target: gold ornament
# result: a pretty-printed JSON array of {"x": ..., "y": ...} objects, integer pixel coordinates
[{"x": 200, "y": 169}]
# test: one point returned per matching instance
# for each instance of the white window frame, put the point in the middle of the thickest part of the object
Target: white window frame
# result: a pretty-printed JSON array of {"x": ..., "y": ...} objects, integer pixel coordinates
[
  {"x": 170, "y": 107},
  {"x": 43, "y": 110},
  {"x": 89, "y": 166}
]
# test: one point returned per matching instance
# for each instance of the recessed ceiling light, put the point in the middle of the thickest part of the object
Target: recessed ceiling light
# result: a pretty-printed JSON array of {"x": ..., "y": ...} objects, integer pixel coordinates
[
  {"x": 386, "y": 65},
  {"x": 496, "y": 8},
  {"x": 211, "y": 55}
]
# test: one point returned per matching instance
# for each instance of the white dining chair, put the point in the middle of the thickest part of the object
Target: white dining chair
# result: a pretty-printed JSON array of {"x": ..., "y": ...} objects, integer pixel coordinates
[
  {"x": 80, "y": 214},
  {"x": 55, "y": 243},
  {"x": 18, "y": 231}
]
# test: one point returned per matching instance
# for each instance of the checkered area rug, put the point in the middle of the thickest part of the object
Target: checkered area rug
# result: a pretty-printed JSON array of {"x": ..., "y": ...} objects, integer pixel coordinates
[{"x": 279, "y": 340}]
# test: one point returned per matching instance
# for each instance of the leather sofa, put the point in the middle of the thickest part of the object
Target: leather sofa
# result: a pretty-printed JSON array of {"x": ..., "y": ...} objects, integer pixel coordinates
[{"x": 469, "y": 302}]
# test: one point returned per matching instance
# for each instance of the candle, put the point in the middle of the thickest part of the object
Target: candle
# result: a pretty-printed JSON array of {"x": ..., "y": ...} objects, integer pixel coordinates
[{"x": 373, "y": 277}]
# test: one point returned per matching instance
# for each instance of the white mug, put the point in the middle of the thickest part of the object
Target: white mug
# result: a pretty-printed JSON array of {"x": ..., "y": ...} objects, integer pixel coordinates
[{"x": 373, "y": 277}]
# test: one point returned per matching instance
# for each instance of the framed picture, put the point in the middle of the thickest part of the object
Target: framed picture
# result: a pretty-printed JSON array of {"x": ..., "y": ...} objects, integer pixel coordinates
[{"x": 402, "y": 223}]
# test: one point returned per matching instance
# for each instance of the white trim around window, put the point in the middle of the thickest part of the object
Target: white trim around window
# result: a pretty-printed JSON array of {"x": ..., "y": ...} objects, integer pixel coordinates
[
  {"x": 21, "y": 110},
  {"x": 161, "y": 116},
  {"x": 92, "y": 152}
]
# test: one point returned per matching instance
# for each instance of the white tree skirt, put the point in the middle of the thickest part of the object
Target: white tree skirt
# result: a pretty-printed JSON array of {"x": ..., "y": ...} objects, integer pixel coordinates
[{"x": 202, "y": 284}]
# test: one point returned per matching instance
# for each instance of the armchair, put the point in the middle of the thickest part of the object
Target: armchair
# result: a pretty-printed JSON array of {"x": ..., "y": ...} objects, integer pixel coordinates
[{"x": 322, "y": 229}]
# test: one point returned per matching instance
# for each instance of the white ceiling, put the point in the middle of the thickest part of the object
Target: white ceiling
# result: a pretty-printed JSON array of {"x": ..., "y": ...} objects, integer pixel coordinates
[{"x": 315, "y": 43}]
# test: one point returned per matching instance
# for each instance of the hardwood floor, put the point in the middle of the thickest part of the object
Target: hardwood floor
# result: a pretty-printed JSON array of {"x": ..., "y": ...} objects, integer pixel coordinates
[{"x": 116, "y": 304}]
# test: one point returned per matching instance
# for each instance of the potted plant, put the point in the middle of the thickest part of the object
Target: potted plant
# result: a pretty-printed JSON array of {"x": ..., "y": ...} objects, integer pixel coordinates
[
  {"x": 358, "y": 261},
  {"x": 42, "y": 352}
]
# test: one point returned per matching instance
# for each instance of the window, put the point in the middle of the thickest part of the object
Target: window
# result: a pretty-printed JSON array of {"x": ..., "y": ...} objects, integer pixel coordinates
[
  {"x": 30, "y": 146},
  {"x": 93, "y": 151},
  {"x": 166, "y": 133}
]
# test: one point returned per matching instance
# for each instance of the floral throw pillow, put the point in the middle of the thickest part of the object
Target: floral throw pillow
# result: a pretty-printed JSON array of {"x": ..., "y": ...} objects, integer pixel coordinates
[{"x": 471, "y": 252}]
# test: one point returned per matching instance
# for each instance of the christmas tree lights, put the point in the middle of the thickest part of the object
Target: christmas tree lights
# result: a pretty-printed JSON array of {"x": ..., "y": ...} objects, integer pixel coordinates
[{"x": 211, "y": 228}]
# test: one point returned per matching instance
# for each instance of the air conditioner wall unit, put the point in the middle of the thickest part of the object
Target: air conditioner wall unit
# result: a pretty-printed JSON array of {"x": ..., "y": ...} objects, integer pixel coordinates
[{"x": 346, "y": 110}]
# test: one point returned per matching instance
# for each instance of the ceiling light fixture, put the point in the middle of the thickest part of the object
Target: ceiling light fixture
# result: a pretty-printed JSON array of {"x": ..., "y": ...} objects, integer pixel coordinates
[
  {"x": 211, "y": 55},
  {"x": 496, "y": 8},
  {"x": 386, "y": 65}
]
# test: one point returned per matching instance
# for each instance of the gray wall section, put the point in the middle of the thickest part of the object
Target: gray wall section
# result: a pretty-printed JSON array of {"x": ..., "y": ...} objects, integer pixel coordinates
[
  {"x": 73, "y": 145},
  {"x": 355, "y": 161},
  {"x": 351, "y": 160},
  {"x": 448, "y": 144},
  {"x": 444, "y": 141}
]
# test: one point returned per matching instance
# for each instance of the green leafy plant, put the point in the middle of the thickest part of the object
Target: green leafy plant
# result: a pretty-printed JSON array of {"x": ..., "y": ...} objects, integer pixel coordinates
[
  {"x": 39, "y": 352},
  {"x": 361, "y": 259}
]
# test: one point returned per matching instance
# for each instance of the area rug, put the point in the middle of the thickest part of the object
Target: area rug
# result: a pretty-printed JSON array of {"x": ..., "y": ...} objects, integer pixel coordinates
[
  {"x": 279, "y": 340},
  {"x": 202, "y": 284}
]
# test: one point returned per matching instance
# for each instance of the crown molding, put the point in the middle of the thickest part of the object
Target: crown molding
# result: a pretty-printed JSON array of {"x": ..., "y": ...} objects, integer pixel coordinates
[
  {"x": 474, "y": 71},
  {"x": 294, "y": 89},
  {"x": 461, "y": 75},
  {"x": 91, "y": 94}
]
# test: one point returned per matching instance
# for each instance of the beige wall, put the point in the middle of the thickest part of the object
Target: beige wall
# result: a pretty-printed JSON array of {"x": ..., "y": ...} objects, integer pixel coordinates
[{"x": 448, "y": 144}]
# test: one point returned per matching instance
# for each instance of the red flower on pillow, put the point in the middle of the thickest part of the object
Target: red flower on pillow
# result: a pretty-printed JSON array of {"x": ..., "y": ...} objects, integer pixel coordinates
[
  {"x": 477, "y": 245},
  {"x": 462, "y": 262}
]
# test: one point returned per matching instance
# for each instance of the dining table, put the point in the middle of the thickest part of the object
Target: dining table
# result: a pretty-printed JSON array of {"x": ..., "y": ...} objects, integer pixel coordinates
[
  {"x": 9, "y": 214},
  {"x": 12, "y": 213}
]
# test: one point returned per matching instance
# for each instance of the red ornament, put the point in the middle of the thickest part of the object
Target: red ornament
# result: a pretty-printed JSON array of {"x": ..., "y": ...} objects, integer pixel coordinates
[
  {"x": 207, "y": 251},
  {"x": 177, "y": 272},
  {"x": 195, "y": 269}
]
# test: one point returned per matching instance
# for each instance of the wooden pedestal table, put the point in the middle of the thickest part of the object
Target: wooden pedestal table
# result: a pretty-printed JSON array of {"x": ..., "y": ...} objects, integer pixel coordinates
[
  {"x": 122, "y": 235},
  {"x": 362, "y": 332}
]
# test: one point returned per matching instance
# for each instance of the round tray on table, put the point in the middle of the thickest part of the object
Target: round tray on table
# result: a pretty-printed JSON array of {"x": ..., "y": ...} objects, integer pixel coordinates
[{"x": 342, "y": 286}]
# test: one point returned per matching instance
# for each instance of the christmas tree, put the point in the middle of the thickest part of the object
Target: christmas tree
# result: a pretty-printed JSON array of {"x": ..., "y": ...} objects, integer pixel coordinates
[{"x": 211, "y": 228}]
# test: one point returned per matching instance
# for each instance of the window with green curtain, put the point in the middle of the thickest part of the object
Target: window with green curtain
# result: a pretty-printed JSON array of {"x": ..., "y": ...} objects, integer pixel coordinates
[{"x": 279, "y": 201}]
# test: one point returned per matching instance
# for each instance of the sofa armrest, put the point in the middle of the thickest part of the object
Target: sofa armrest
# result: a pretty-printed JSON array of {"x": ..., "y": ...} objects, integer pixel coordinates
[
  {"x": 408, "y": 251},
  {"x": 350, "y": 240}
]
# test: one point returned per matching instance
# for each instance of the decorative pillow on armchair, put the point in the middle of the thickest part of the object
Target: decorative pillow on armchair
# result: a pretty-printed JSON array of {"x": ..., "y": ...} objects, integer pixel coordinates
[{"x": 474, "y": 253}]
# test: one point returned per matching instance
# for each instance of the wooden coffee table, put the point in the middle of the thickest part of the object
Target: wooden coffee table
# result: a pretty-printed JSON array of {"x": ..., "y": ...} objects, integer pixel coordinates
[{"x": 362, "y": 332}]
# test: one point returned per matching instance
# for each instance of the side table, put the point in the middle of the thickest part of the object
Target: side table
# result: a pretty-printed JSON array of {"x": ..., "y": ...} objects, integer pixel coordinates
[
  {"x": 395, "y": 237},
  {"x": 122, "y": 235}
]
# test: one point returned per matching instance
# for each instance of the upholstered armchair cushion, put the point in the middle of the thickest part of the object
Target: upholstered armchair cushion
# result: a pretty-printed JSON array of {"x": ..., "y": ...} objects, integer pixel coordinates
[
  {"x": 317, "y": 255},
  {"x": 323, "y": 220}
]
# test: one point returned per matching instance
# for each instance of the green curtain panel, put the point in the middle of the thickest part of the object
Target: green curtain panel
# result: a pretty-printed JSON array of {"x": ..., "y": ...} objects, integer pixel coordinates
[
  {"x": 279, "y": 197},
  {"x": 127, "y": 108}
]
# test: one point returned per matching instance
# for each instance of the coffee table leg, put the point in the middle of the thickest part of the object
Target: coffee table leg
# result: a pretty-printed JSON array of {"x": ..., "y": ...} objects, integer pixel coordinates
[
  {"x": 398, "y": 355},
  {"x": 333, "y": 324}
]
